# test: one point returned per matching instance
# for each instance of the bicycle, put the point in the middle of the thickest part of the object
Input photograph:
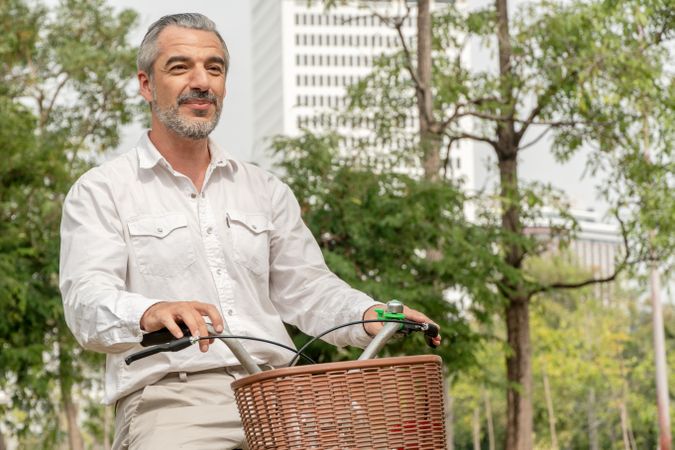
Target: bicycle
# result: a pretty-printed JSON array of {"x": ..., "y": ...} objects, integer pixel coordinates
[{"x": 335, "y": 405}]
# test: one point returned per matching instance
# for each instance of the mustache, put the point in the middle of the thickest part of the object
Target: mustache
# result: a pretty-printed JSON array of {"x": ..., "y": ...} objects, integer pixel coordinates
[{"x": 197, "y": 95}]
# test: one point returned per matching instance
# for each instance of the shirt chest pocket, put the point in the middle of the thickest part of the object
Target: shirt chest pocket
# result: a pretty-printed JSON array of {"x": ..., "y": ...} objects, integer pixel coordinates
[
  {"x": 162, "y": 244},
  {"x": 250, "y": 239}
]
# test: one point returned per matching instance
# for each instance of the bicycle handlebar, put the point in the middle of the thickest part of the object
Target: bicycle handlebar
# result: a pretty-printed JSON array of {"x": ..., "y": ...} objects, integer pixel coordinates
[{"x": 164, "y": 341}]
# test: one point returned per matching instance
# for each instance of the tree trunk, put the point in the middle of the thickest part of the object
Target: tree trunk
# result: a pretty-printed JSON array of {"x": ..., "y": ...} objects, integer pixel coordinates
[
  {"x": 519, "y": 375},
  {"x": 3, "y": 446},
  {"x": 551, "y": 413},
  {"x": 70, "y": 409},
  {"x": 430, "y": 139},
  {"x": 66, "y": 382},
  {"x": 518, "y": 364},
  {"x": 593, "y": 441},
  {"x": 476, "y": 429},
  {"x": 490, "y": 421},
  {"x": 107, "y": 420},
  {"x": 624, "y": 427},
  {"x": 662, "y": 397},
  {"x": 518, "y": 361}
]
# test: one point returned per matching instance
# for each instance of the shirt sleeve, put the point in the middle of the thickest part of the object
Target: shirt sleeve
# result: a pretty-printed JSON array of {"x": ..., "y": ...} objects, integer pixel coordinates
[
  {"x": 305, "y": 292},
  {"x": 93, "y": 264}
]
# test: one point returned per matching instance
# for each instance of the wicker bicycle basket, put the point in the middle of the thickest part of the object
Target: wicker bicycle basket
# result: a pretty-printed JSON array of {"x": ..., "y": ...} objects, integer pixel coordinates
[{"x": 387, "y": 403}]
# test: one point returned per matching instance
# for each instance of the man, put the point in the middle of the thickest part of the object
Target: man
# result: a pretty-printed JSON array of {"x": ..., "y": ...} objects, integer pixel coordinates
[{"x": 177, "y": 231}]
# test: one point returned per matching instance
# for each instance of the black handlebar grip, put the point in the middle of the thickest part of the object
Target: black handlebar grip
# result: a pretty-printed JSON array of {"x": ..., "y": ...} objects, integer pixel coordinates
[
  {"x": 173, "y": 346},
  {"x": 162, "y": 336},
  {"x": 430, "y": 333}
]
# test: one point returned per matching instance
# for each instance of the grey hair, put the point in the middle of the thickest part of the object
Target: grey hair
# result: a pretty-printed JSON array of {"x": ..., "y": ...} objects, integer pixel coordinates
[{"x": 148, "y": 51}]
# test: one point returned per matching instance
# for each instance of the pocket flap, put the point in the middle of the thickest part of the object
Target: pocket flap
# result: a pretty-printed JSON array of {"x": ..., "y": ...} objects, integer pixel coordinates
[
  {"x": 157, "y": 226},
  {"x": 255, "y": 222}
]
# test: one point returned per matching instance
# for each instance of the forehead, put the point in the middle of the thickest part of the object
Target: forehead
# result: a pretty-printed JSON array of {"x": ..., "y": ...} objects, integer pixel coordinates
[{"x": 174, "y": 40}]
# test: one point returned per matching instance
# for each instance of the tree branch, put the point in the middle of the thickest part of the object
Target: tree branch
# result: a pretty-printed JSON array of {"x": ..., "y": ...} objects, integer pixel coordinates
[
  {"x": 618, "y": 269},
  {"x": 397, "y": 24},
  {"x": 535, "y": 140},
  {"x": 475, "y": 137},
  {"x": 448, "y": 161},
  {"x": 456, "y": 114},
  {"x": 44, "y": 115},
  {"x": 542, "y": 101}
]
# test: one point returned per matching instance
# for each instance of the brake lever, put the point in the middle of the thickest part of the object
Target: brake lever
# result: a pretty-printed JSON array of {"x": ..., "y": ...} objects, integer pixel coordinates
[
  {"x": 173, "y": 346},
  {"x": 162, "y": 336},
  {"x": 430, "y": 330}
]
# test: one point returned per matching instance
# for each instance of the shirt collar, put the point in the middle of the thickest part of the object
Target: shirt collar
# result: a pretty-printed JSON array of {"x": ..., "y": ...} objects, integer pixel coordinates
[{"x": 149, "y": 156}]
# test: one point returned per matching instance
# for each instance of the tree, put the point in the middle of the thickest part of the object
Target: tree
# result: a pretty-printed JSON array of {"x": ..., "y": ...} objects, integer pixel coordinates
[
  {"x": 63, "y": 96},
  {"x": 374, "y": 229},
  {"x": 572, "y": 70},
  {"x": 596, "y": 355}
]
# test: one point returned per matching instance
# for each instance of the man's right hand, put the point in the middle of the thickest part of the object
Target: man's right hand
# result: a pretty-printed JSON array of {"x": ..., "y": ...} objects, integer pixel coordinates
[{"x": 169, "y": 314}]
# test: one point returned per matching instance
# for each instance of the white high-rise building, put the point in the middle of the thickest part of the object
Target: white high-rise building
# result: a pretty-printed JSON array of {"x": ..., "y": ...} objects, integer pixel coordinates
[{"x": 304, "y": 57}]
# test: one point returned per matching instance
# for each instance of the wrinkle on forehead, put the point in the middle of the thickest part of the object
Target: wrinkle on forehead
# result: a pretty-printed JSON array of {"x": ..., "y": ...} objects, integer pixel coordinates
[{"x": 174, "y": 39}]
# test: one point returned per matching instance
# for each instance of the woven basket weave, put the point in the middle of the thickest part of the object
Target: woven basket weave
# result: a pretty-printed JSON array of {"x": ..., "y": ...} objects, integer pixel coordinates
[{"x": 387, "y": 403}]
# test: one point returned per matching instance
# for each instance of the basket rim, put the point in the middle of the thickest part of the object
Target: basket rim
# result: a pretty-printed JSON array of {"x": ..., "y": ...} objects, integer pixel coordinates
[{"x": 341, "y": 365}]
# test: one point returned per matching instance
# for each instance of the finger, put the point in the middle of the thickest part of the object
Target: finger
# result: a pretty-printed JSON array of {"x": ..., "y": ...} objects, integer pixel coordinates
[
  {"x": 172, "y": 326},
  {"x": 201, "y": 328},
  {"x": 212, "y": 312},
  {"x": 190, "y": 319},
  {"x": 415, "y": 316}
]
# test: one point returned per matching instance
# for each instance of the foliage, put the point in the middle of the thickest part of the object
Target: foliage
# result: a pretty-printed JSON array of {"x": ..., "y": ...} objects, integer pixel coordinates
[
  {"x": 63, "y": 96},
  {"x": 584, "y": 340},
  {"x": 377, "y": 230}
]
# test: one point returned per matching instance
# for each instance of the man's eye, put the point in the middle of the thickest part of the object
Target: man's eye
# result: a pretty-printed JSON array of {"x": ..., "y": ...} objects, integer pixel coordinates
[
  {"x": 215, "y": 69},
  {"x": 178, "y": 68}
]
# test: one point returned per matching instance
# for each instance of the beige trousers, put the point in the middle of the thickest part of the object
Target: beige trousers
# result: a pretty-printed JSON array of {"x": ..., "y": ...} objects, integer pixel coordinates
[{"x": 181, "y": 411}]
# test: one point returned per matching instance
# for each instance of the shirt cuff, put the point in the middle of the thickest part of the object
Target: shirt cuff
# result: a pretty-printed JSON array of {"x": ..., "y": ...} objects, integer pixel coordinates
[{"x": 135, "y": 310}]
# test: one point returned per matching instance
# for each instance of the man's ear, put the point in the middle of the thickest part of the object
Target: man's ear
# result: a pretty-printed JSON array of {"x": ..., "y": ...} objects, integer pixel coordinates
[{"x": 144, "y": 83}]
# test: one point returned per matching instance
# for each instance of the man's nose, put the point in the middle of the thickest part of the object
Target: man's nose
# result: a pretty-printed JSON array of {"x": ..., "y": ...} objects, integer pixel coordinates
[{"x": 199, "y": 79}]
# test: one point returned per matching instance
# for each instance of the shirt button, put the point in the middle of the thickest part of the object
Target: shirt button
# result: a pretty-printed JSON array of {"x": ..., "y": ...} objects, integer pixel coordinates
[
  {"x": 219, "y": 272},
  {"x": 254, "y": 227},
  {"x": 159, "y": 230},
  {"x": 193, "y": 195},
  {"x": 209, "y": 230},
  {"x": 230, "y": 312}
]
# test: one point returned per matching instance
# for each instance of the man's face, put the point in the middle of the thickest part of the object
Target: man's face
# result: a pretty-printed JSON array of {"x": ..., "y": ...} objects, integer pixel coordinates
[{"x": 187, "y": 86}]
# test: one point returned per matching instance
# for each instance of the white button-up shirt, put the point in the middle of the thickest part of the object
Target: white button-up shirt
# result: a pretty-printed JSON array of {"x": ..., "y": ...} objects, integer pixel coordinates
[{"x": 135, "y": 232}]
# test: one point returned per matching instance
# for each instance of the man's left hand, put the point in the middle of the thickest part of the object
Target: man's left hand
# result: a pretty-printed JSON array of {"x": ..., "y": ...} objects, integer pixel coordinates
[{"x": 373, "y": 328}]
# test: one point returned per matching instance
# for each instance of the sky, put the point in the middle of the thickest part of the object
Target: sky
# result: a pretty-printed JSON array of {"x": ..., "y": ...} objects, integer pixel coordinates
[{"x": 234, "y": 132}]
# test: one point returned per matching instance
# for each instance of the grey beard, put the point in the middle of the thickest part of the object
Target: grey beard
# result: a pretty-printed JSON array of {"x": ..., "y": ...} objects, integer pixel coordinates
[{"x": 182, "y": 126}]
